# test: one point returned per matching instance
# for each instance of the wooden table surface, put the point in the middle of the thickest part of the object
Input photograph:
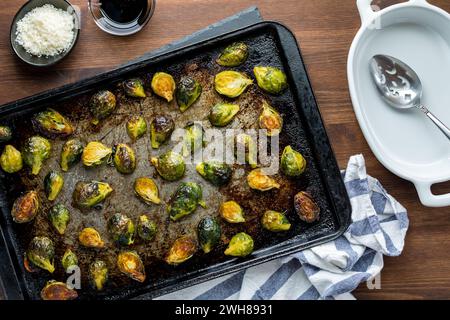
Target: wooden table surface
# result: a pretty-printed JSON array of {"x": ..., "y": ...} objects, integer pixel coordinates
[{"x": 324, "y": 29}]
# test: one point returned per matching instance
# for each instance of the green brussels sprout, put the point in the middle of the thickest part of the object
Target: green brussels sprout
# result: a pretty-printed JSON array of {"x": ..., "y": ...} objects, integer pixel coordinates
[
  {"x": 89, "y": 194},
  {"x": 163, "y": 85},
  {"x": 134, "y": 88},
  {"x": 246, "y": 144},
  {"x": 5, "y": 134},
  {"x": 147, "y": 228},
  {"x": 98, "y": 274},
  {"x": 270, "y": 120},
  {"x": 185, "y": 200},
  {"x": 58, "y": 291},
  {"x": 69, "y": 259},
  {"x": 59, "y": 217},
  {"x": 121, "y": 229},
  {"x": 35, "y": 151},
  {"x": 124, "y": 158},
  {"x": 215, "y": 172},
  {"x": 233, "y": 55},
  {"x": 292, "y": 162},
  {"x": 209, "y": 232},
  {"x": 275, "y": 221},
  {"x": 52, "y": 124},
  {"x": 136, "y": 127},
  {"x": 53, "y": 184},
  {"x": 11, "y": 159},
  {"x": 241, "y": 245},
  {"x": 270, "y": 79},
  {"x": 259, "y": 181},
  {"x": 26, "y": 207},
  {"x": 232, "y": 212},
  {"x": 102, "y": 105},
  {"x": 70, "y": 154},
  {"x": 41, "y": 253},
  {"x": 169, "y": 165},
  {"x": 161, "y": 129},
  {"x": 90, "y": 238},
  {"x": 188, "y": 91},
  {"x": 181, "y": 250},
  {"x": 147, "y": 190},
  {"x": 129, "y": 263},
  {"x": 231, "y": 83},
  {"x": 95, "y": 154},
  {"x": 223, "y": 113},
  {"x": 306, "y": 208},
  {"x": 193, "y": 139}
]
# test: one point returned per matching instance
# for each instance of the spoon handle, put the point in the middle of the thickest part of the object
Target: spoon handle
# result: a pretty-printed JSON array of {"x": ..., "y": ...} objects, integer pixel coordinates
[{"x": 445, "y": 130}]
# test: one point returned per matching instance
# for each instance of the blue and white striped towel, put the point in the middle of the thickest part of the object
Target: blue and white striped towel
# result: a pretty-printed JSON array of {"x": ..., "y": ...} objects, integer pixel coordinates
[{"x": 328, "y": 271}]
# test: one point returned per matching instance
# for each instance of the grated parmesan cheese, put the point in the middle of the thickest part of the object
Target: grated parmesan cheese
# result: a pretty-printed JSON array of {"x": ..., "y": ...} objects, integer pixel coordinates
[{"x": 46, "y": 31}]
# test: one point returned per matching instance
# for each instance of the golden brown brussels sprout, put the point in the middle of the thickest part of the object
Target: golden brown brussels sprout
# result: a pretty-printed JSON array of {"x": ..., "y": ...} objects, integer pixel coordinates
[
  {"x": 305, "y": 207},
  {"x": 275, "y": 221},
  {"x": 89, "y": 194},
  {"x": 185, "y": 200},
  {"x": 271, "y": 79},
  {"x": 241, "y": 245},
  {"x": 194, "y": 138},
  {"x": 35, "y": 151},
  {"x": 147, "y": 228},
  {"x": 58, "y": 291},
  {"x": 233, "y": 55},
  {"x": 232, "y": 212},
  {"x": 70, "y": 154},
  {"x": 52, "y": 124},
  {"x": 102, "y": 105},
  {"x": 188, "y": 91},
  {"x": 11, "y": 159},
  {"x": 26, "y": 207},
  {"x": 161, "y": 129},
  {"x": 98, "y": 274},
  {"x": 292, "y": 162},
  {"x": 147, "y": 190},
  {"x": 170, "y": 166},
  {"x": 41, "y": 253},
  {"x": 245, "y": 143},
  {"x": 124, "y": 158},
  {"x": 217, "y": 173},
  {"x": 53, "y": 184},
  {"x": 209, "y": 232},
  {"x": 5, "y": 134},
  {"x": 270, "y": 120},
  {"x": 121, "y": 229},
  {"x": 136, "y": 127},
  {"x": 95, "y": 154},
  {"x": 231, "y": 83},
  {"x": 131, "y": 264},
  {"x": 90, "y": 238},
  {"x": 222, "y": 114},
  {"x": 59, "y": 217},
  {"x": 163, "y": 85},
  {"x": 259, "y": 181},
  {"x": 69, "y": 259},
  {"x": 134, "y": 88},
  {"x": 182, "y": 249}
]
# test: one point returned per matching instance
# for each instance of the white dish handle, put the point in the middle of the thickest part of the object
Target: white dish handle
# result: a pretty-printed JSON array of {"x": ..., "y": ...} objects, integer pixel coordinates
[
  {"x": 366, "y": 12},
  {"x": 428, "y": 198}
]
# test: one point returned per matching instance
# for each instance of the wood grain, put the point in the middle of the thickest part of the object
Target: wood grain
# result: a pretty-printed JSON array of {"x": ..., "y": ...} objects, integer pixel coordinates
[{"x": 324, "y": 29}]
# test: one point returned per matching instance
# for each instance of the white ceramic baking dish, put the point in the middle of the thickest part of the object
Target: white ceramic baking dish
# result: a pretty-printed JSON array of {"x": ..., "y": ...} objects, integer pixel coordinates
[{"x": 405, "y": 142}]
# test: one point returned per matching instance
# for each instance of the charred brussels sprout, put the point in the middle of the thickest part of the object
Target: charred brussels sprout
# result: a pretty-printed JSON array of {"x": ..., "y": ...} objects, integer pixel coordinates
[
  {"x": 102, "y": 105},
  {"x": 121, "y": 229},
  {"x": 292, "y": 162},
  {"x": 275, "y": 221},
  {"x": 58, "y": 291},
  {"x": 233, "y": 55},
  {"x": 170, "y": 166},
  {"x": 188, "y": 91},
  {"x": 53, "y": 184},
  {"x": 182, "y": 249},
  {"x": 35, "y": 151},
  {"x": 222, "y": 114},
  {"x": 90, "y": 238},
  {"x": 270, "y": 79},
  {"x": 124, "y": 158},
  {"x": 161, "y": 129},
  {"x": 215, "y": 172},
  {"x": 163, "y": 85},
  {"x": 147, "y": 228},
  {"x": 11, "y": 159},
  {"x": 270, "y": 120},
  {"x": 232, "y": 212},
  {"x": 194, "y": 138},
  {"x": 231, "y": 83},
  {"x": 130, "y": 263},
  {"x": 246, "y": 145},
  {"x": 305, "y": 207},
  {"x": 185, "y": 200},
  {"x": 71, "y": 154},
  {"x": 95, "y": 154},
  {"x": 69, "y": 260},
  {"x": 147, "y": 190},
  {"x": 59, "y": 217},
  {"x": 136, "y": 127},
  {"x": 241, "y": 245},
  {"x": 98, "y": 274},
  {"x": 41, "y": 253},
  {"x": 89, "y": 194},
  {"x": 258, "y": 180},
  {"x": 51, "y": 124},
  {"x": 26, "y": 207},
  {"x": 134, "y": 88},
  {"x": 209, "y": 233},
  {"x": 5, "y": 134}
]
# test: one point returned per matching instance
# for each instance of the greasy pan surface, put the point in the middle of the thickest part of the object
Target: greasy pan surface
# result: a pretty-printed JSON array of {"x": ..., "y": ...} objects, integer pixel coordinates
[{"x": 302, "y": 129}]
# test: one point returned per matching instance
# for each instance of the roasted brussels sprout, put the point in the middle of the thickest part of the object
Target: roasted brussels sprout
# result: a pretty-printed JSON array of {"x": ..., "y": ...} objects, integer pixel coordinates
[
  {"x": 95, "y": 154},
  {"x": 209, "y": 233},
  {"x": 217, "y": 173},
  {"x": 131, "y": 264},
  {"x": 41, "y": 253},
  {"x": 124, "y": 158},
  {"x": 53, "y": 184},
  {"x": 98, "y": 274},
  {"x": 59, "y": 217},
  {"x": 259, "y": 181},
  {"x": 136, "y": 127},
  {"x": 305, "y": 207},
  {"x": 163, "y": 85},
  {"x": 5, "y": 134},
  {"x": 246, "y": 144},
  {"x": 182, "y": 249},
  {"x": 102, "y": 105},
  {"x": 169, "y": 165},
  {"x": 52, "y": 124},
  {"x": 270, "y": 120},
  {"x": 185, "y": 200},
  {"x": 222, "y": 114},
  {"x": 193, "y": 139},
  {"x": 134, "y": 88},
  {"x": 26, "y": 207},
  {"x": 89, "y": 194},
  {"x": 147, "y": 228},
  {"x": 11, "y": 159},
  {"x": 161, "y": 129},
  {"x": 270, "y": 79},
  {"x": 233, "y": 55},
  {"x": 231, "y": 83},
  {"x": 241, "y": 245},
  {"x": 147, "y": 190},
  {"x": 188, "y": 91},
  {"x": 121, "y": 229},
  {"x": 58, "y": 291},
  {"x": 35, "y": 151},
  {"x": 275, "y": 221},
  {"x": 292, "y": 162},
  {"x": 232, "y": 212},
  {"x": 90, "y": 238},
  {"x": 69, "y": 259},
  {"x": 71, "y": 154}
]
